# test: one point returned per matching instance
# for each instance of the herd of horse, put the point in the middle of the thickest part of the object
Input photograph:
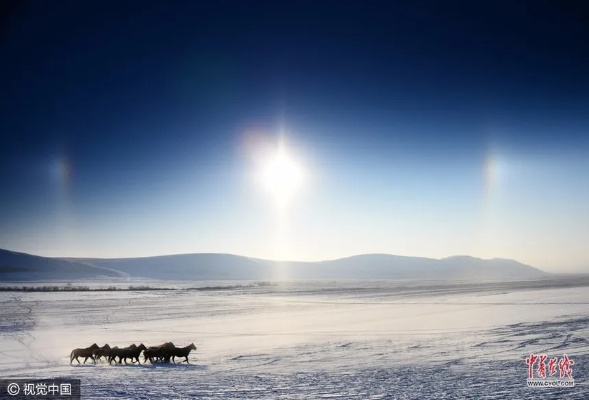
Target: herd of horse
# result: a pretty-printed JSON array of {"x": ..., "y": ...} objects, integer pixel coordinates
[{"x": 162, "y": 353}]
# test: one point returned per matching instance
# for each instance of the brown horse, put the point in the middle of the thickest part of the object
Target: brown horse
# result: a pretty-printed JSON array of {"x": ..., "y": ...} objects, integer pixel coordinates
[
  {"x": 103, "y": 351},
  {"x": 182, "y": 352},
  {"x": 86, "y": 353},
  {"x": 118, "y": 352},
  {"x": 111, "y": 354},
  {"x": 159, "y": 353},
  {"x": 131, "y": 352}
]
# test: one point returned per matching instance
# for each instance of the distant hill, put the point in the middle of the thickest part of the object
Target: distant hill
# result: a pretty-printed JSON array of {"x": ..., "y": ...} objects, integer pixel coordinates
[
  {"x": 207, "y": 266},
  {"x": 200, "y": 266},
  {"x": 26, "y": 267},
  {"x": 203, "y": 266}
]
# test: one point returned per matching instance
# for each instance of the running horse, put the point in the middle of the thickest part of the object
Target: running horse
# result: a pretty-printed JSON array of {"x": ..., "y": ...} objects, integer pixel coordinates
[
  {"x": 131, "y": 352},
  {"x": 182, "y": 352},
  {"x": 103, "y": 351},
  {"x": 87, "y": 353},
  {"x": 159, "y": 353}
]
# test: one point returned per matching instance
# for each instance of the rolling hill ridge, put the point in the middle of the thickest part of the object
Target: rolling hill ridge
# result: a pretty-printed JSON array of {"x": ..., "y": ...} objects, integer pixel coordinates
[{"x": 215, "y": 266}]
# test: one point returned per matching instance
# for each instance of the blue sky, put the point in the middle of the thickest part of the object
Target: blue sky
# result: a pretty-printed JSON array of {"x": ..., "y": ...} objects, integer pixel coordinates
[{"x": 432, "y": 130}]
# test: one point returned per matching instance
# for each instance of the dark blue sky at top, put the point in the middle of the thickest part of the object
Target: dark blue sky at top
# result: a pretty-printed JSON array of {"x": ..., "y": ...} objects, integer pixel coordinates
[{"x": 130, "y": 92}]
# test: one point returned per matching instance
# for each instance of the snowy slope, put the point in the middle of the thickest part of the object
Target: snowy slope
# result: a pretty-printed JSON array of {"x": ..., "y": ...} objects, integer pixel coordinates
[
  {"x": 352, "y": 340},
  {"x": 20, "y": 266}
]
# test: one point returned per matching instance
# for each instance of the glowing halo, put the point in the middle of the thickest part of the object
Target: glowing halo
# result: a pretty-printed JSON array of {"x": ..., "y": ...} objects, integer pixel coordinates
[{"x": 282, "y": 176}]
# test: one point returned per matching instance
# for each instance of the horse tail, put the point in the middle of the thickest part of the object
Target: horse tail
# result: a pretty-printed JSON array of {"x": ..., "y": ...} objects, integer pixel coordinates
[{"x": 72, "y": 355}]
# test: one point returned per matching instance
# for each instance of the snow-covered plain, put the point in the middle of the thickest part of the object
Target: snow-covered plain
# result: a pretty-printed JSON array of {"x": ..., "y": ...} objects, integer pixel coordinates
[{"x": 350, "y": 340}]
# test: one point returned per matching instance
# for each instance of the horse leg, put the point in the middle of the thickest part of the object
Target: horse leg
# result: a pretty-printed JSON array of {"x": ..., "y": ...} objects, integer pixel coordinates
[
  {"x": 187, "y": 360},
  {"x": 77, "y": 359}
]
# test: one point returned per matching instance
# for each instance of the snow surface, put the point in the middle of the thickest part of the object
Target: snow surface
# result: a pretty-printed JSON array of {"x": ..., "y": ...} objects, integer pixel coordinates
[{"x": 349, "y": 340}]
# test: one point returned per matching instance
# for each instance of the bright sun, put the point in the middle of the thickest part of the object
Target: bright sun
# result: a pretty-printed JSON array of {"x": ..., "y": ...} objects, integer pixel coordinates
[{"x": 282, "y": 176}]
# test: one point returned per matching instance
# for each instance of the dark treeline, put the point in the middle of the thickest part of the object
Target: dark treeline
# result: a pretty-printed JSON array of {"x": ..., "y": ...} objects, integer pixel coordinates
[
  {"x": 48, "y": 288},
  {"x": 71, "y": 288}
]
